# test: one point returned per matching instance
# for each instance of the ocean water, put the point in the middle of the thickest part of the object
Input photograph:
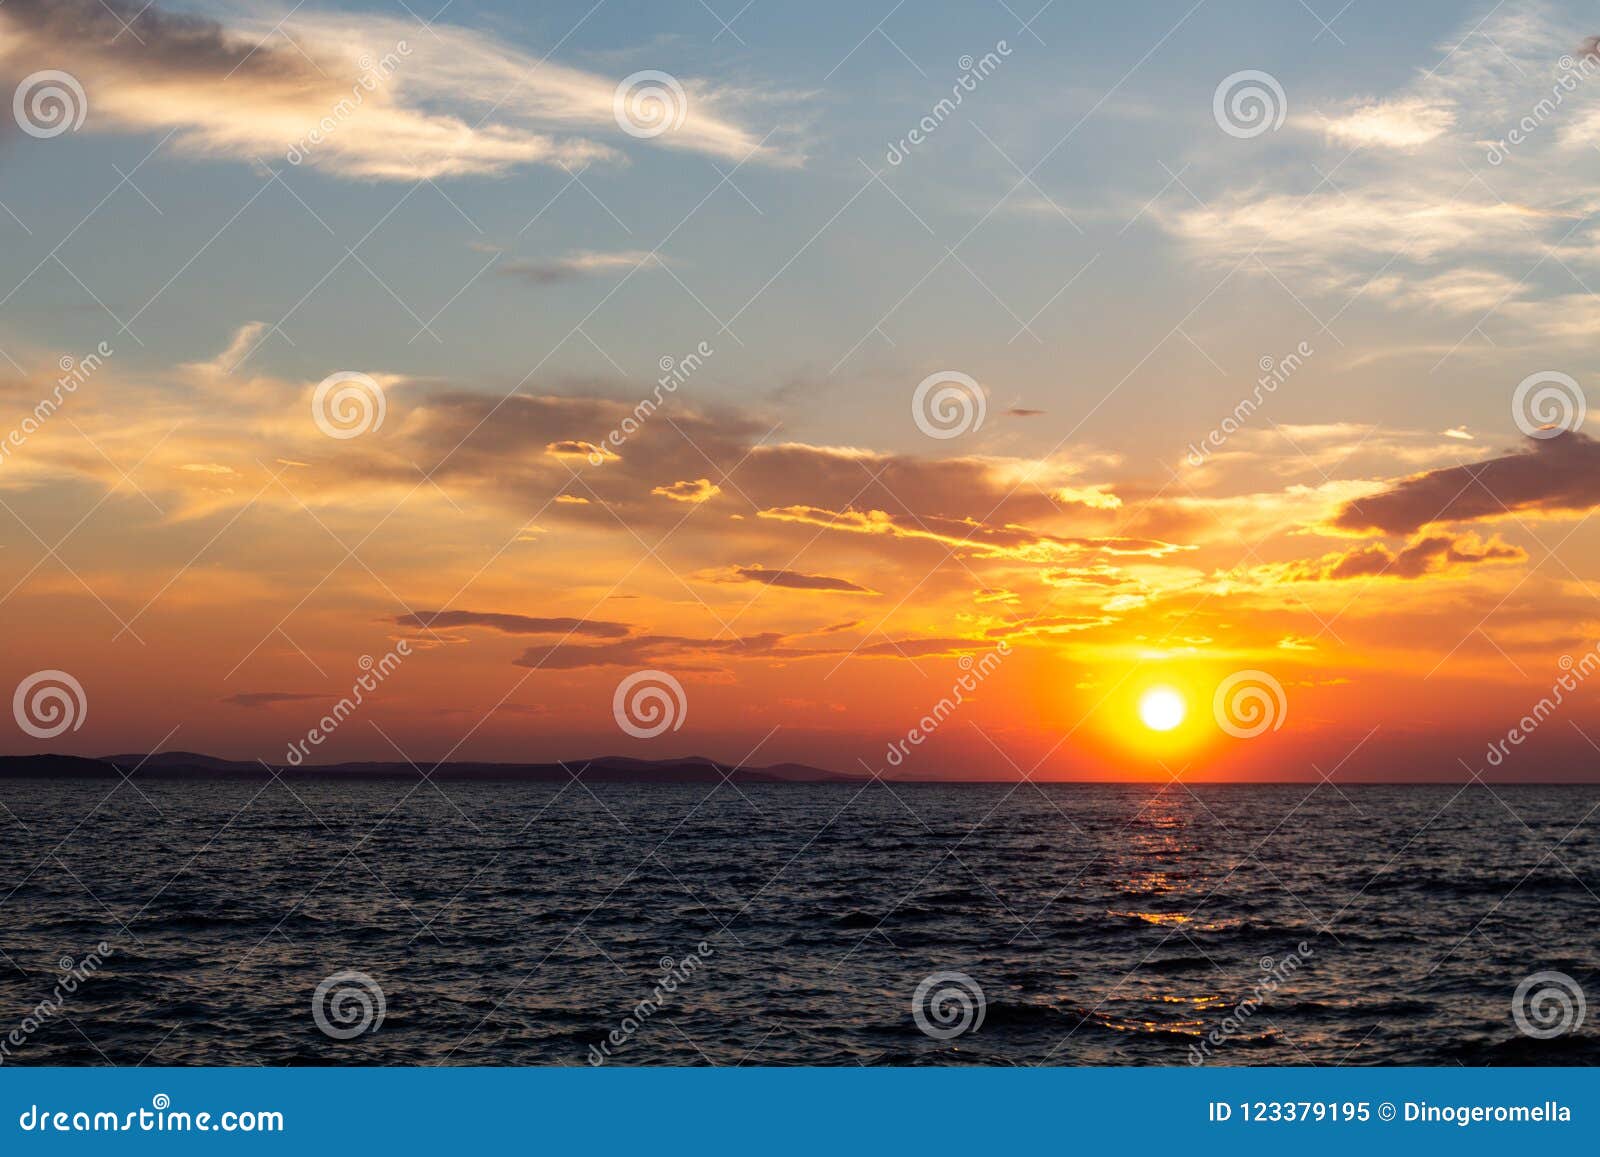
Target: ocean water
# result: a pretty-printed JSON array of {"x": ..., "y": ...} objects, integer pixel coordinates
[{"x": 518, "y": 924}]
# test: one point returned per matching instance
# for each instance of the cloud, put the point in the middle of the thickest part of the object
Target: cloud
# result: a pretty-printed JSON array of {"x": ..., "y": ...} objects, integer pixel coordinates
[
  {"x": 1558, "y": 475},
  {"x": 511, "y": 624},
  {"x": 1097, "y": 497},
  {"x": 1394, "y": 124},
  {"x": 1429, "y": 555},
  {"x": 1476, "y": 165},
  {"x": 791, "y": 579},
  {"x": 1047, "y": 625},
  {"x": 577, "y": 448},
  {"x": 967, "y": 535},
  {"x": 256, "y": 699},
  {"x": 686, "y": 653},
  {"x": 700, "y": 490},
  {"x": 574, "y": 266},
  {"x": 1463, "y": 291},
  {"x": 1331, "y": 448},
  {"x": 358, "y": 95},
  {"x": 1327, "y": 232},
  {"x": 916, "y": 648},
  {"x": 1103, "y": 576}
]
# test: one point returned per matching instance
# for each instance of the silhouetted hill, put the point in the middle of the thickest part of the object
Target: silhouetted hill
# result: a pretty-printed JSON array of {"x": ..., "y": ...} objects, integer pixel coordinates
[{"x": 602, "y": 769}]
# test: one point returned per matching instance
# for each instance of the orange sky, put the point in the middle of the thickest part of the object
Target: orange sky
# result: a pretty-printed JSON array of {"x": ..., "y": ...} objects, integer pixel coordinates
[{"x": 1308, "y": 410}]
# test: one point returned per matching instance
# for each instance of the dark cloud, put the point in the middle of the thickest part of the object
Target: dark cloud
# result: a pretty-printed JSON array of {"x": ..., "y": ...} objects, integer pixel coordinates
[
  {"x": 1558, "y": 474},
  {"x": 1019, "y": 412},
  {"x": 682, "y": 653},
  {"x": 792, "y": 579},
  {"x": 539, "y": 272},
  {"x": 514, "y": 624},
  {"x": 523, "y": 449},
  {"x": 253, "y": 699},
  {"x": 173, "y": 43},
  {"x": 917, "y": 648},
  {"x": 1432, "y": 554},
  {"x": 557, "y": 270},
  {"x": 574, "y": 448},
  {"x": 686, "y": 654}
]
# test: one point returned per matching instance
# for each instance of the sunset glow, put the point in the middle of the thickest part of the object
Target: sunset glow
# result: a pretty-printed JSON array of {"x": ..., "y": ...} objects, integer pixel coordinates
[{"x": 552, "y": 433}]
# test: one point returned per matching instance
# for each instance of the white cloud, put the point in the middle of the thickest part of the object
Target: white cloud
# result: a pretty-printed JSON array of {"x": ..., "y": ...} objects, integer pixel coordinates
[
  {"x": 362, "y": 96},
  {"x": 1396, "y": 124}
]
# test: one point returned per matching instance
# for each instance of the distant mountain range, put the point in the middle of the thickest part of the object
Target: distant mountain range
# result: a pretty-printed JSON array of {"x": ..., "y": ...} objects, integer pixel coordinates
[{"x": 604, "y": 769}]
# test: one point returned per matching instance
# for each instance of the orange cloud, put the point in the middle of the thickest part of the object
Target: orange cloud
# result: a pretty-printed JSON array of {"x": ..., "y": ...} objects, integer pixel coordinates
[
  {"x": 968, "y": 535},
  {"x": 700, "y": 490}
]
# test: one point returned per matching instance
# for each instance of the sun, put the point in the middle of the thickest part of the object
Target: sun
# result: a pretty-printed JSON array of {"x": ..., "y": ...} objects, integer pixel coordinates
[{"x": 1162, "y": 708}]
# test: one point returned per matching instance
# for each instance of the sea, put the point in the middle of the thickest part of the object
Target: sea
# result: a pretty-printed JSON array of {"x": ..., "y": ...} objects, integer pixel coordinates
[{"x": 395, "y": 922}]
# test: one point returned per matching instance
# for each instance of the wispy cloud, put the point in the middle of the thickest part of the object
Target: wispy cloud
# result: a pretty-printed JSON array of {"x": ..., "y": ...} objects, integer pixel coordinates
[
  {"x": 513, "y": 624},
  {"x": 790, "y": 579},
  {"x": 555, "y": 270},
  {"x": 258, "y": 699},
  {"x": 363, "y": 96}
]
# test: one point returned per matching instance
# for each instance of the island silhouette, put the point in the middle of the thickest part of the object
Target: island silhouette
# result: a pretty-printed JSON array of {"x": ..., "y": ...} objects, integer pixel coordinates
[{"x": 600, "y": 769}]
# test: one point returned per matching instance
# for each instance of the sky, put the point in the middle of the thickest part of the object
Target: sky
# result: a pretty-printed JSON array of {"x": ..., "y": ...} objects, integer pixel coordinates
[{"x": 900, "y": 388}]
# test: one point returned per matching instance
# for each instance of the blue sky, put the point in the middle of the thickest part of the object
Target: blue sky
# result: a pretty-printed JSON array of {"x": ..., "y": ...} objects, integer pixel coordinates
[{"x": 1108, "y": 129}]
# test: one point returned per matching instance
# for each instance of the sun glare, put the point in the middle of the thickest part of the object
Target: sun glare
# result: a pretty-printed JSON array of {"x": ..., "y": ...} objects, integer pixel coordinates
[{"x": 1161, "y": 708}]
